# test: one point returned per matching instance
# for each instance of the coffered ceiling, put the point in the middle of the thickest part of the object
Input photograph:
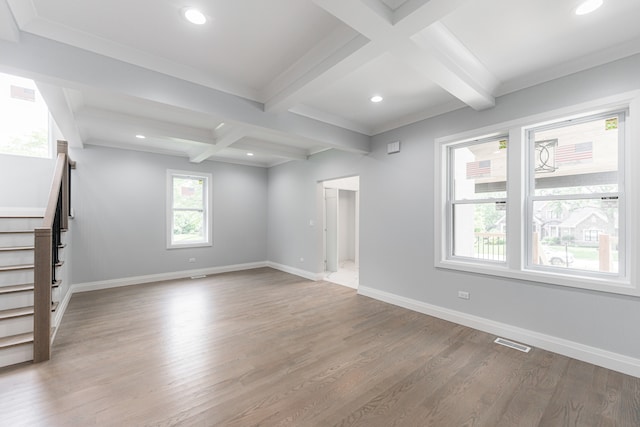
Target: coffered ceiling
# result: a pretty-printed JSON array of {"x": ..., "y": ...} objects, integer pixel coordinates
[{"x": 289, "y": 78}]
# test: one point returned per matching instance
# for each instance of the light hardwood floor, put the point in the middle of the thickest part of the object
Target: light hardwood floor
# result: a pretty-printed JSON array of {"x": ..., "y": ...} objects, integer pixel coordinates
[{"x": 266, "y": 348}]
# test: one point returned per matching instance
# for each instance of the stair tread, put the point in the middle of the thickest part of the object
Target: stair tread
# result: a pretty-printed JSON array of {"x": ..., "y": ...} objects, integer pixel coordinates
[
  {"x": 17, "y": 248},
  {"x": 13, "y": 340},
  {"x": 24, "y": 287},
  {"x": 25, "y": 266},
  {"x": 16, "y": 312},
  {"x": 16, "y": 288},
  {"x": 23, "y": 311},
  {"x": 17, "y": 267}
]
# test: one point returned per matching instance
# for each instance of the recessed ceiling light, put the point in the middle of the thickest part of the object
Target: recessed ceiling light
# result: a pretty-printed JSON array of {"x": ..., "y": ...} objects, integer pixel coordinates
[
  {"x": 376, "y": 98},
  {"x": 588, "y": 6},
  {"x": 139, "y": 136},
  {"x": 194, "y": 16},
  {"x": 250, "y": 154}
]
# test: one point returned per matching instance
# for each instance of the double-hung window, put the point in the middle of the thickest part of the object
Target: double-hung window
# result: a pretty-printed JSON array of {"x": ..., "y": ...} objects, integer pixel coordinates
[
  {"x": 575, "y": 171},
  {"x": 547, "y": 198},
  {"x": 188, "y": 209},
  {"x": 477, "y": 197}
]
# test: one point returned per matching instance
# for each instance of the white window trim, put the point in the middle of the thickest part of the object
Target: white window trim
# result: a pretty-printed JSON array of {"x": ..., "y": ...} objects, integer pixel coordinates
[
  {"x": 208, "y": 208},
  {"x": 627, "y": 282}
]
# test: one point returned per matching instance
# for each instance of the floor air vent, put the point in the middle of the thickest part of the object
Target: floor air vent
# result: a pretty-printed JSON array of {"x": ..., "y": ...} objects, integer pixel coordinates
[{"x": 511, "y": 344}]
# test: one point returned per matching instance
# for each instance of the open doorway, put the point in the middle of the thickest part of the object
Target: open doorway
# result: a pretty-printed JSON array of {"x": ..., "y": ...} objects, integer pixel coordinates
[{"x": 341, "y": 223}]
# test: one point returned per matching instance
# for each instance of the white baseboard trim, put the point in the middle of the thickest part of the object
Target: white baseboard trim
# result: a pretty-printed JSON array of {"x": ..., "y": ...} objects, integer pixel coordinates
[
  {"x": 597, "y": 356},
  {"x": 296, "y": 271},
  {"x": 139, "y": 280},
  {"x": 57, "y": 319}
]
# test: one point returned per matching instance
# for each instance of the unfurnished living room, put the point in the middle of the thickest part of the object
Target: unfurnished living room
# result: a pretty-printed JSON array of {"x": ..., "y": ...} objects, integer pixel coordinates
[{"x": 320, "y": 213}]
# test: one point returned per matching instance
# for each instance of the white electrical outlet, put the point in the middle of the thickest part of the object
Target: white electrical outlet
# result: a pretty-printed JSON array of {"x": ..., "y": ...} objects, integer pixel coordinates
[
  {"x": 463, "y": 294},
  {"x": 192, "y": 260}
]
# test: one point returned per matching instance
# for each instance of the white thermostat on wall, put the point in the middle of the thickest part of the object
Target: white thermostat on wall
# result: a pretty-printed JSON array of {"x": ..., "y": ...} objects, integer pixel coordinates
[{"x": 393, "y": 147}]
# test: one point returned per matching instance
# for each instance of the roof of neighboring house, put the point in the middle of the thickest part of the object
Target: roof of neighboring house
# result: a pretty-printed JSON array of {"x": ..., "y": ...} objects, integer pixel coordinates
[{"x": 579, "y": 216}]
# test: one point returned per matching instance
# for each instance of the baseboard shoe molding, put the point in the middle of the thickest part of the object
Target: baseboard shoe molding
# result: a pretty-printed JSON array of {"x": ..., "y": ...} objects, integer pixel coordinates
[
  {"x": 296, "y": 271},
  {"x": 139, "y": 280},
  {"x": 597, "y": 356}
]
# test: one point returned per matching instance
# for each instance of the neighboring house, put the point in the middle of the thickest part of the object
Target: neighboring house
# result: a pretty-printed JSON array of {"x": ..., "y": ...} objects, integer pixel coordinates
[{"x": 582, "y": 226}]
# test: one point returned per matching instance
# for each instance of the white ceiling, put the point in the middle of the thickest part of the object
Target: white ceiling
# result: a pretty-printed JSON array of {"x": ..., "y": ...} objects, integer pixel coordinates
[{"x": 308, "y": 66}]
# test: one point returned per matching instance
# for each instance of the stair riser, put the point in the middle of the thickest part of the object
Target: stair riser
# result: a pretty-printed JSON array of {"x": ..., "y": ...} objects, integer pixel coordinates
[
  {"x": 17, "y": 354},
  {"x": 16, "y": 300},
  {"x": 16, "y": 325},
  {"x": 16, "y": 258},
  {"x": 8, "y": 278},
  {"x": 20, "y": 223},
  {"x": 10, "y": 240}
]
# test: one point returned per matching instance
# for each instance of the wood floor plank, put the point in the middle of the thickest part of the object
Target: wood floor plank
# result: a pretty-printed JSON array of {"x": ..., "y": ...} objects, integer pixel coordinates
[{"x": 262, "y": 347}]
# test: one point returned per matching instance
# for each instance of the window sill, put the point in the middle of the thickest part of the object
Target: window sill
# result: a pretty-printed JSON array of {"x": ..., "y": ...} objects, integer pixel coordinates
[
  {"x": 189, "y": 245},
  {"x": 614, "y": 286}
]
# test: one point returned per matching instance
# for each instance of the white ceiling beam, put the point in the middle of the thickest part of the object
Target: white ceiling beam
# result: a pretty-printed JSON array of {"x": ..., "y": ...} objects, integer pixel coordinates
[
  {"x": 60, "y": 108},
  {"x": 269, "y": 148},
  {"x": 229, "y": 138},
  {"x": 415, "y": 15},
  {"x": 89, "y": 116},
  {"x": 440, "y": 43},
  {"x": 449, "y": 72},
  {"x": 8, "y": 28},
  {"x": 381, "y": 9},
  {"x": 341, "y": 52},
  {"x": 71, "y": 67},
  {"x": 145, "y": 148}
]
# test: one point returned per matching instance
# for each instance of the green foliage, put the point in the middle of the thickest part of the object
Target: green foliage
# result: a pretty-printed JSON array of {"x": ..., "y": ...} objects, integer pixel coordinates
[
  {"x": 32, "y": 144},
  {"x": 187, "y": 225},
  {"x": 485, "y": 217}
]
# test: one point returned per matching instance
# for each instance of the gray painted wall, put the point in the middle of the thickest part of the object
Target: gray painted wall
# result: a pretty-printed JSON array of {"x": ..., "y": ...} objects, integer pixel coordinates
[
  {"x": 295, "y": 199},
  {"x": 25, "y": 181},
  {"x": 347, "y": 225},
  {"x": 396, "y": 221},
  {"x": 119, "y": 227}
]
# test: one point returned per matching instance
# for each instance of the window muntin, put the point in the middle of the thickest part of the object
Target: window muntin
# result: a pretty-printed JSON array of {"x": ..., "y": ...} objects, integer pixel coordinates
[
  {"x": 25, "y": 118},
  {"x": 477, "y": 199},
  {"x": 188, "y": 201},
  {"x": 577, "y": 176}
]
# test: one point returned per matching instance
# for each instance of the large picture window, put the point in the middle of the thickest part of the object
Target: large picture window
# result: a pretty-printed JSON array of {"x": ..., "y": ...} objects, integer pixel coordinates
[
  {"x": 188, "y": 212},
  {"x": 548, "y": 198}
]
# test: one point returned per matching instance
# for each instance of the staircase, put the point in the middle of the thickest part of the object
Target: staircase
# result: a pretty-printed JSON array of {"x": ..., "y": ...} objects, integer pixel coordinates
[
  {"x": 16, "y": 287},
  {"x": 31, "y": 252}
]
